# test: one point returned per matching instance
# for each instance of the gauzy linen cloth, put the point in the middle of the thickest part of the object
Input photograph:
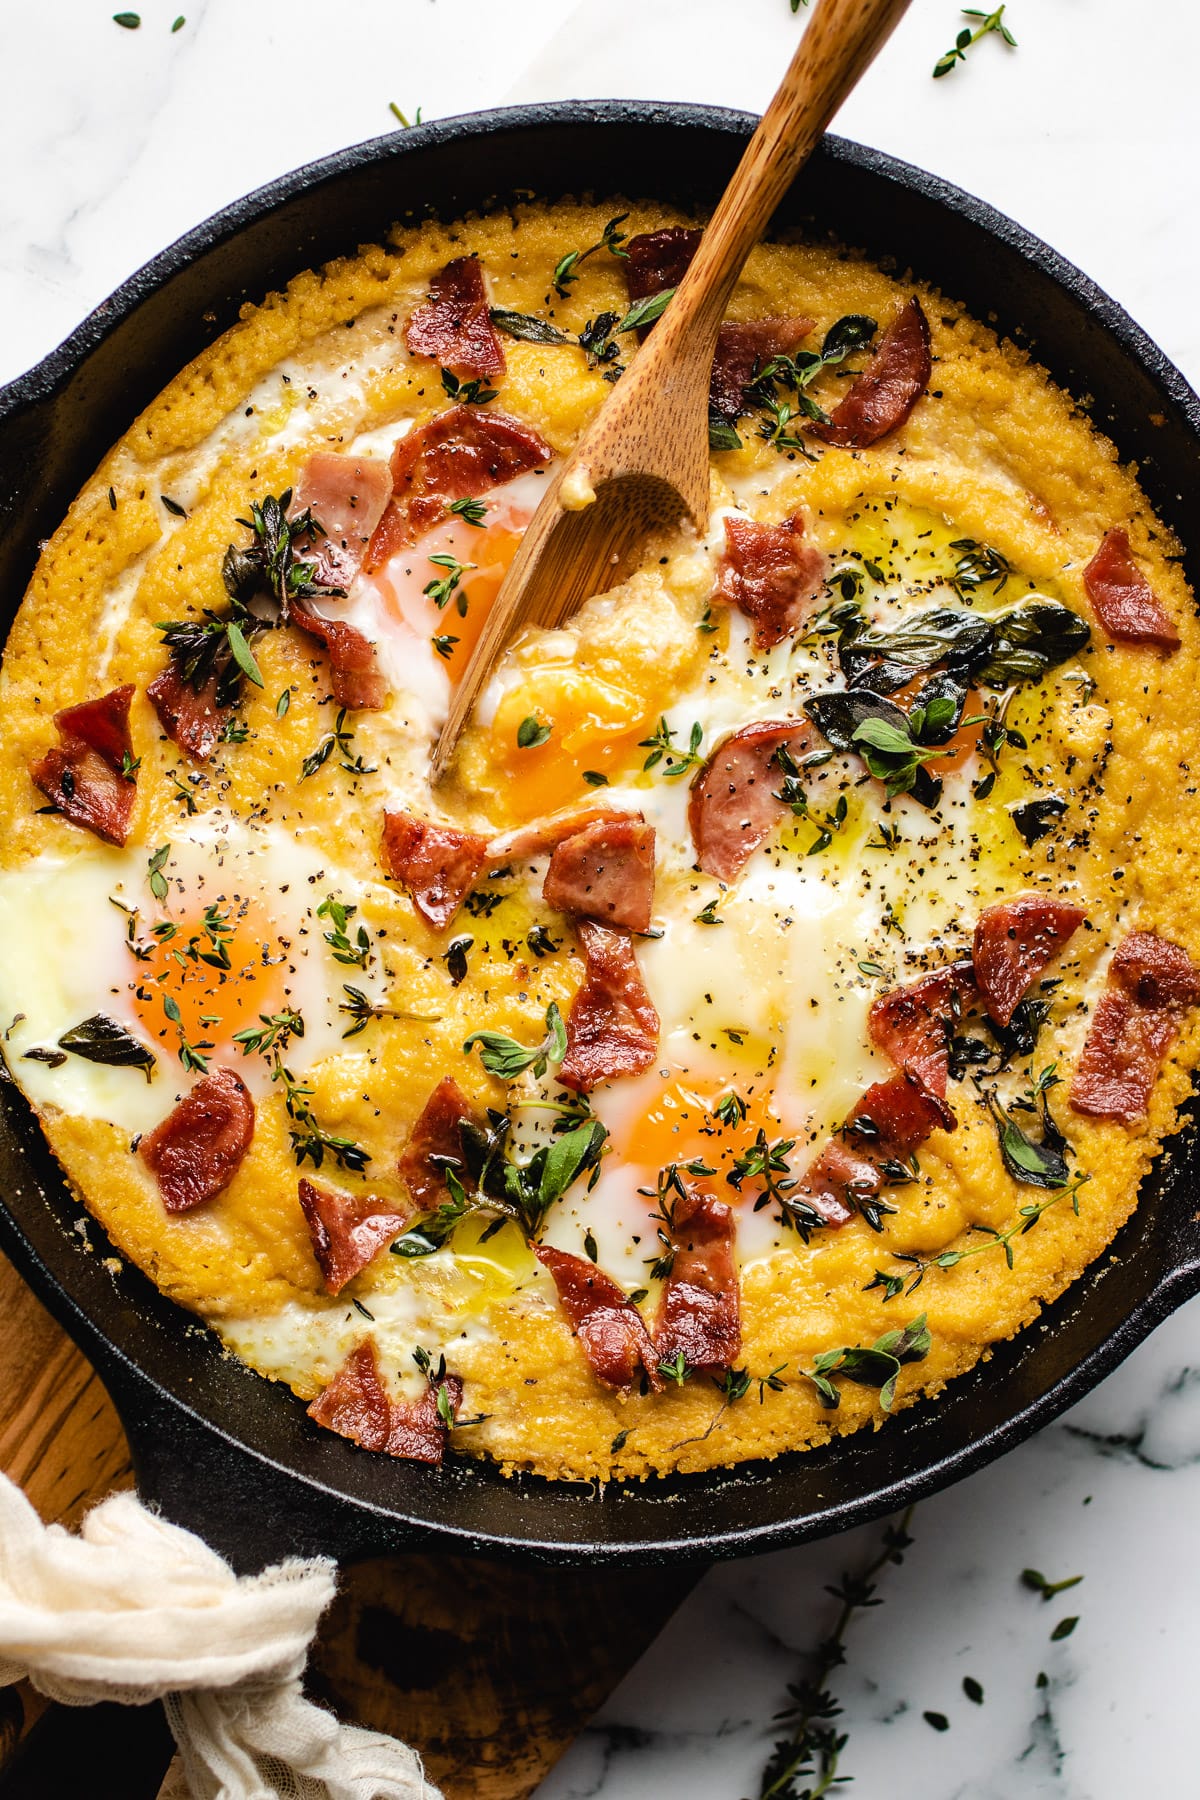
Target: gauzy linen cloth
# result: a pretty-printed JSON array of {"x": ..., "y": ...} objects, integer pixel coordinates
[{"x": 135, "y": 1609}]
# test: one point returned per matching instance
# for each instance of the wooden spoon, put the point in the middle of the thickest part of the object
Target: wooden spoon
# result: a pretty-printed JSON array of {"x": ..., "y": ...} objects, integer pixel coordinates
[{"x": 643, "y": 462}]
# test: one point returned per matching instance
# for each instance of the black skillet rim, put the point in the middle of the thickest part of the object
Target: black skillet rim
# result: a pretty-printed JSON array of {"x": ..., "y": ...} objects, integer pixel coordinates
[{"x": 152, "y": 1408}]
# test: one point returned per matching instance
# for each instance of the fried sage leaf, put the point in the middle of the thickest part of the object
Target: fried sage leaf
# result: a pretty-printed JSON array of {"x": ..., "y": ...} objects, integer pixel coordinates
[
  {"x": 1032, "y": 637},
  {"x": 527, "y": 326},
  {"x": 102, "y": 1040}
]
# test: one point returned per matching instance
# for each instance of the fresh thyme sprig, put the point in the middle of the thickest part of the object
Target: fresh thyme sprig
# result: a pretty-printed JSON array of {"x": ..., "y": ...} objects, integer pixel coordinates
[
  {"x": 273, "y": 1032},
  {"x": 506, "y": 1059},
  {"x": 612, "y": 239},
  {"x": 661, "y": 746},
  {"x": 988, "y": 22},
  {"x": 309, "y": 1139},
  {"x": 356, "y": 954},
  {"x": 362, "y": 1009},
  {"x": 908, "y": 1280},
  {"x": 341, "y": 740},
  {"x": 467, "y": 393},
  {"x": 779, "y": 389},
  {"x": 804, "y": 1763},
  {"x": 442, "y": 590},
  {"x": 767, "y": 1163}
]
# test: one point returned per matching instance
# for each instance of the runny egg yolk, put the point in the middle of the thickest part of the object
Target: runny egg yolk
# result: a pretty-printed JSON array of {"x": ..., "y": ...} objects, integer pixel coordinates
[
  {"x": 479, "y": 558},
  {"x": 594, "y": 727},
  {"x": 681, "y": 1126},
  {"x": 220, "y": 971}
]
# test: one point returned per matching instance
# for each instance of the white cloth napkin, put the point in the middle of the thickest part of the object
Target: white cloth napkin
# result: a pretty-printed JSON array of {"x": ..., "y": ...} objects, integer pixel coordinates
[{"x": 133, "y": 1608}]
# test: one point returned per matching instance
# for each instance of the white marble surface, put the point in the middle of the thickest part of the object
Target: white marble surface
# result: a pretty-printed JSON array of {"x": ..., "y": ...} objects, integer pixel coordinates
[{"x": 112, "y": 143}]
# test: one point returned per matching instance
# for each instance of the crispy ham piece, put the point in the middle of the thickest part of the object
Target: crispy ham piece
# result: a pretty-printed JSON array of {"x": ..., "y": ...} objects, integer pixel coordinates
[
  {"x": 734, "y": 800},
  {"x": 896, "y": 1115},
  {"x": 889, "y": 1122},
  {"x": 1014, "y": 942},
  {"x": 348, "y": 496},
  {"x": 355, "y": 678},
  {"x": 605, "y": 872},
  {"x": 657, "y": 260},
  {"x": 348, "y": 1230},
  {"x": 743, "y": 352},
  {"x": 436, "y": 1139},
  {"x": 913, "y": 1025},
  {"x": 82, "y": 775},
  {"x": 357, "y": 1406},
  {"x": 437, "y": 864},
  {"x": 454, "y": 326},
  {"x": 190, "y": 716},
  {"x": 612, "y": 1027},
  {"x": 458, "y": 455},
  {"x": 771, "y": 575},
  {"x": 198, "y": 1149},
  {"x": 1123, "y": 600},
  {"x": 545, "y": 835},
  {"x": 700, "y": 1314},
  {"x": 1151, "y": 983},
  {"x": 609, "y": 1327},
  {"x": 889, "y": 387}
]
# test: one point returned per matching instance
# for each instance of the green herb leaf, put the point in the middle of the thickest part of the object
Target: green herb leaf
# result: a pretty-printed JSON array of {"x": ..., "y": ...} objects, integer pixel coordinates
[
  {"x": 506, "y": 1059},
  {"x": 102, "y": 1040},
  {"x": 645, "y": 312},
  {"x": 241, "y": 653},
  {"x": 130, "y": 20},
  {"x": 531, "y": 732},
  {"x": 526, "y": 326},
  {"x": 155, "y": 867},
  {"x": 1063, "y": 1629}
]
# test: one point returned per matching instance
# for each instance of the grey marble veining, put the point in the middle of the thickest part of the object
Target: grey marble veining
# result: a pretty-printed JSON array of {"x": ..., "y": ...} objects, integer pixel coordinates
[{"x": 113, "y": 143}]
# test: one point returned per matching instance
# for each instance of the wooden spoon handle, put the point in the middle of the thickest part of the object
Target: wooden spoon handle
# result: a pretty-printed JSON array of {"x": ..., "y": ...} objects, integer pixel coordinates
[{"x": 841, "y": 39}]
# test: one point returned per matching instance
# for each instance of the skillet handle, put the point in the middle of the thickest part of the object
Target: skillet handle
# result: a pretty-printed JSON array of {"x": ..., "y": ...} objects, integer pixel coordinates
[{"x": 247, "y": 1508}]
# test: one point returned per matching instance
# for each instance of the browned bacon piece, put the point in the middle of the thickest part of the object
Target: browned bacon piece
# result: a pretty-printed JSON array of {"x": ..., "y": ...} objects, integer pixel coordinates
[
  {"x": 734, "y": 800},
  {"x": 357, "y": 1406},
  {"x": 198, "y": 1149},
  {"x": 610, "y": 1329},
  {"x": 830, "y": 1180},
  {"x": 888, "y": 388},
  {"x": 1151, "y": 982},
  {"x": 657, "y": 260},
  {"x": 84, "y": 773},
  {"x": 435, "y": 1139},
  {"x": 436, "y": 863},
  {"x": 896, "y": 1115},
  {"x": 453, "y": 326},
  {"x": 700, "y": 1314},
  {"x": 769, "y": 573},
  {"x": 743, "y": 351},
  {"x": 190, "y": 717},
  {"x": 347, "y": 495},
  {"x": 545, "y": 835},
  {"x": 458, "y": 455},
  {"x": 355, "y": 677},
  {"x": 1124, "y": 602},
  {"x": 913, "y": 1024},
  {"x": 612, "y": 1027},
  {"x": 1014, "y": 941},
  {"x": 890, "y": 1120},
  {"x": 605, "y": 872},
  {"x": 348, "y": 1230}
]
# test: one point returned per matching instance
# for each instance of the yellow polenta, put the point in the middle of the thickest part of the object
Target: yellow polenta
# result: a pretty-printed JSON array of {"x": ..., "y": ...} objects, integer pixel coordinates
[{"x": 994, "y": 456}]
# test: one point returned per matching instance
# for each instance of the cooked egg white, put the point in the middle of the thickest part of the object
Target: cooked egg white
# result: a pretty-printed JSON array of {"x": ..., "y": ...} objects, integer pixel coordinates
[{"x": 87, "y": 935}]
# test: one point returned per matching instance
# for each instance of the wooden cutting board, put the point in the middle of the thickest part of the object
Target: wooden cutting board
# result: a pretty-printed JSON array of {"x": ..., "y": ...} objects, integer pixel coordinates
[{"x": 489, "y": 1670}]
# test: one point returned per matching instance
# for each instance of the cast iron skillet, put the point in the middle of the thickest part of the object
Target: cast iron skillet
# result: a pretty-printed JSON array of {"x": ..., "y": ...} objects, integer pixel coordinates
[{"x": 233, "y": 1455}]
